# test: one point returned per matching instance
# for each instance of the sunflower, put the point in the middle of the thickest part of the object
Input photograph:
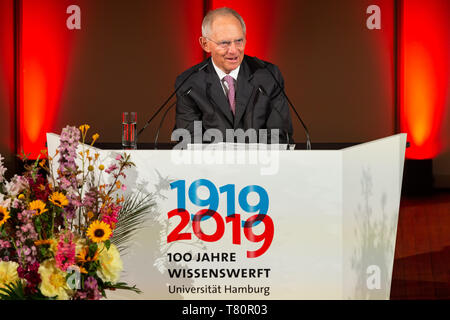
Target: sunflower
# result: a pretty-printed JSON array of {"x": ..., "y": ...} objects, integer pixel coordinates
[
  {"x": 38, "y": 206},
  {"x": 4, "y": 215},
  {"x": 99, "y": 231},
  {"x": 83, "y": 256},
  {"x": 58, "y": 199}
]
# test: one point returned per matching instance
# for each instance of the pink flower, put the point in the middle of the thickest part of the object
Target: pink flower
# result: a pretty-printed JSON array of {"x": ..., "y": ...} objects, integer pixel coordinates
[
  {"x": 67, "y": 155},
  {"x": 4, "y": 244},
  {"x": 110, "y": 215},
  {"x": 118, "y": 157},
  {"x": 91, "y": 286},
  {"x": 90, "y": 198},
  {"x": 111, "y": 168},
  {"x": 25, "y": 233},
  {"x": 65, "y": 254}
]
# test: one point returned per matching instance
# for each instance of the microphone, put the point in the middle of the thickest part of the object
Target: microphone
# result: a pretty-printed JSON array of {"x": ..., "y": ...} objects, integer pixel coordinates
[
  {"x": 170, "y": 97},
  {"x": 164, "y": 116},
  {"x": 264, "y": 66}
]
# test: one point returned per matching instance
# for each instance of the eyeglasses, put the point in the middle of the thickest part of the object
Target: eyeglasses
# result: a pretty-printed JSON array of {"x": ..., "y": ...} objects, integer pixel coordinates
[{"x": 239, "y": 43}]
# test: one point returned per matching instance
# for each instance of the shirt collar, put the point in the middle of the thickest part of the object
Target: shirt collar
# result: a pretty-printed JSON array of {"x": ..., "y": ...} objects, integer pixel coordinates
[{"x": 234, "y": 74}]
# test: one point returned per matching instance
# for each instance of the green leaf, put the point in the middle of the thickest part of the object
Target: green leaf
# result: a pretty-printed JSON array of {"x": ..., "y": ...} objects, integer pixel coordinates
[
  {"x": 13, "y": 291},
  {"x": 107, "y": 244},
  {"x": 92, "y": 249},
  {"x": 135, "y": 211},
  {"x": 3, "y": 232},
  {"x": 38, "y": 225},
  {"x": 122, "y": 286}
]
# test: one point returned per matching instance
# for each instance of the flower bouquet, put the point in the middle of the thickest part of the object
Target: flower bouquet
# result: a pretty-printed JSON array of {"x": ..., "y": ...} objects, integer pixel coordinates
[{"x": 62, "y": 230}]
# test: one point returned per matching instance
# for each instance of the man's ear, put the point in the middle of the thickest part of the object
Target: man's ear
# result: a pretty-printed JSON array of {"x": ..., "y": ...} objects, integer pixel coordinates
[{"x": 204, "y": 44}]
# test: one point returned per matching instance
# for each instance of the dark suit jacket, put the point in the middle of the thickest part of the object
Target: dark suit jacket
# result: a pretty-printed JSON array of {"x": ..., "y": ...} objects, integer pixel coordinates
[{"x": 260, "y": 103}]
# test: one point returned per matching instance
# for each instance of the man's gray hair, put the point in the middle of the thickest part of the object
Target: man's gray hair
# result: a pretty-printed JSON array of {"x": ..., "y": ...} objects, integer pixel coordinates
[{"x": 211, "y": 15}]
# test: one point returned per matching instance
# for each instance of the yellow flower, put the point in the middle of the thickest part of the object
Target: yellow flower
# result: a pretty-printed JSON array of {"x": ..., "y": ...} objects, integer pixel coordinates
[
  {"x": 21, "y": 196},
  {"x": 101, "y": 167},
  {"x": 58, "y": 199},
  {"x": 83, "y": 270},
  {"x": 4, "y": 215},
  {"x": 90, "y": 214},
  {"x": 53, "y": 281},
  {"x": 52, "y": 244},
  {"x": 44, "y": 242},
  {"x": 110, "y": 263},
  {"x": 8, "y": 273},
  {"x": 99, "y": 231},
  {"x": 84, "y": 128},
  {"x": 38, "y": 206},
  {"x": 83, "y": 256},
  {"x": 91, "y": 168},
  {"x": 94, "y": 138}
]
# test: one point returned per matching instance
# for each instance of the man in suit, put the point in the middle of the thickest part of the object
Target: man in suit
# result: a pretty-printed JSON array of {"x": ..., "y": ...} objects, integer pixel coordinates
[{"x": 231, "y": 92}]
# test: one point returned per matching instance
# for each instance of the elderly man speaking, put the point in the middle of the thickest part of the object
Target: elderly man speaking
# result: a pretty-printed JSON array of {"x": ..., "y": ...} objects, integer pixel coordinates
[{"x": 230, "y": 91}]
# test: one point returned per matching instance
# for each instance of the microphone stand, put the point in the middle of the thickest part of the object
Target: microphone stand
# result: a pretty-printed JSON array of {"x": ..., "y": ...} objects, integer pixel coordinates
[
  {"x": 160, "y": 124},
  {"x": 263, "y": 65},
  {"x": 170, "y": 97}
]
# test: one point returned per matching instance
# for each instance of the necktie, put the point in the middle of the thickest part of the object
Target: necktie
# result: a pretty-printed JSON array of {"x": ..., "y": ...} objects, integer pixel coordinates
[{"x": 231, "y": 92}]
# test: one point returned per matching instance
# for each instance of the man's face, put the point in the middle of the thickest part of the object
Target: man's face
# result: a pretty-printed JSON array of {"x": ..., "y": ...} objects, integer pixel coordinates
[{"x": 226, "y": 43}]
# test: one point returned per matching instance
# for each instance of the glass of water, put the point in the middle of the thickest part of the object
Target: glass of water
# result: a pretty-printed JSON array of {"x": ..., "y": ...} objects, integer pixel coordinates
[{"x": 129, "y": 139}]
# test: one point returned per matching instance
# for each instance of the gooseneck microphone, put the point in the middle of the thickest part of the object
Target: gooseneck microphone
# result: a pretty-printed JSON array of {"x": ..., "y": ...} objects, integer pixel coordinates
[
  {"x": 263, "y": 65},
  {"x": 164, "y": 116},
  {"x": 170, "y": 97}
]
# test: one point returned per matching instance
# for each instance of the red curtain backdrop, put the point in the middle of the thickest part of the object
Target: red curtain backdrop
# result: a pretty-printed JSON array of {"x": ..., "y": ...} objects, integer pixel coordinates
[
  {"x": 6, "y": 77},
  {"x": 188, "y": 14},
  {"x": 260, "y": 18},
  {"x": 46, "y": 45},
  {"x": 424, "y": 74}
]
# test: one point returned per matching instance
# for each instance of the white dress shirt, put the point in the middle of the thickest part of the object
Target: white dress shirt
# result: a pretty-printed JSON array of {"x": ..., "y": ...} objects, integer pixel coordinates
[{"x": 221, "y": 74}]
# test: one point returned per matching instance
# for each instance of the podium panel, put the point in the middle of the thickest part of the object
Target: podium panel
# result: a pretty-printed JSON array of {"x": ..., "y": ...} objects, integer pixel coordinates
[{"x": 284, "y": 224}]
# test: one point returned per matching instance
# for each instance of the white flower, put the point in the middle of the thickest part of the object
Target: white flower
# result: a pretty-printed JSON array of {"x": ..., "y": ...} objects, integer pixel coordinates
[
  {"x": 5, "y": 203},
  {"x": 16, "y": 186},
  {"x": 2, "y": 169}
]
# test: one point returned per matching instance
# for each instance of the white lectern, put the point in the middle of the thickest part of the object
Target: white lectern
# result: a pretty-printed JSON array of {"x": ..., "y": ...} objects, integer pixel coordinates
[{"x": 334, "y": 216}]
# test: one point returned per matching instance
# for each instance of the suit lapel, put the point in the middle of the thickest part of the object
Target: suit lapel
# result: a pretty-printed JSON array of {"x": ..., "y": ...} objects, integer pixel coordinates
[
  {"x": 244, "y": 91},
  {"x": 217, "y": 95}
]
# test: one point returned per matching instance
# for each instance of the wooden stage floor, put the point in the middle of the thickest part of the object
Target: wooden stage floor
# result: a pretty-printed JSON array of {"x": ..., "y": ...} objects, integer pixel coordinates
[{"x": 422, "y": 252}]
